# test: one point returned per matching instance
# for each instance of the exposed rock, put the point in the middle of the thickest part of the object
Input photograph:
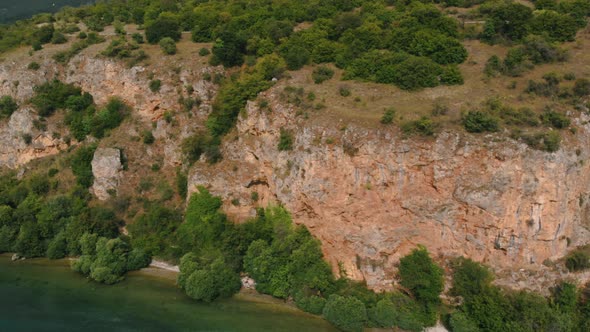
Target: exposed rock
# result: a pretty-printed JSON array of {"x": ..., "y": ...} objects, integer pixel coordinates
[
  {"x": 485, "y": 197},
  {"x": 248, "y": 283},
  {"x": 14, "y": 151},
  {"x": 106, "y": 168}
]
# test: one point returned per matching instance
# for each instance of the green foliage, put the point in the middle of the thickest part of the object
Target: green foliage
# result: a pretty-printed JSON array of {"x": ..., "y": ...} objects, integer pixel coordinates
[
  {"x": 168, "y": 45},
  {"x": 479, "y": 122},
  {"x": 582, "y": 87},
  {"x": 470, "y": 279},
  {"x": 155, "y": 85},
  {"x": 207, "y": 282},
  {"x": 58, "y": 246},
  {"x": 347, "y": 313},
  {"x": 459, "y": 322},
  {"x": 555, "y": 119},
  {"x": 201, "y": 143},
  {"x": 33, "y": 66},
  {"x": 422, "y": 277},
  {"x": 204, "y": 51},
  {"x": 161, "y": 28},
  {"x": 81, "y": 165},
  {"x": 388, "y": 116},
  {"x": 424, "y": 126},
  {"x": 53, "y": 95},
  {"x": 285, "y": 141},
  {"x": 312, "y": 304},
  {"x": 577, "y": 260},
  {"x": 148, "y": 137},
  {"x": 321, "y": 74},
  {"x": 153, "y": 231},
  {"x": 7, "y": 106},
  {"x": 107, "y": 260}
]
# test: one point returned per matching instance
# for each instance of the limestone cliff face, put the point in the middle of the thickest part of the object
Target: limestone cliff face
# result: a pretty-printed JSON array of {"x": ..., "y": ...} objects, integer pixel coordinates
[
  {"x": 371, "y": 196},
  {"x": 15, "y": 151},
  {"x": 106, "y": 168}
]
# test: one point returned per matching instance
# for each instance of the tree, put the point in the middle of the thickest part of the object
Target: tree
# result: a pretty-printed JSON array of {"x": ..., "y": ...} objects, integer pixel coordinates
[
  {"x": 479, "y": 122},
  {"x": 207, "y": 282},
  {"x": 168, "y": 45},
  {"x": 57, "y": 247},
  {"x": 162, "y": 27},
  {"x": 7, "y": 106},
  {"x": 229, "y": 49},
  {"x": 422, "y": 276},
  {"x": 347, "y": 313}
]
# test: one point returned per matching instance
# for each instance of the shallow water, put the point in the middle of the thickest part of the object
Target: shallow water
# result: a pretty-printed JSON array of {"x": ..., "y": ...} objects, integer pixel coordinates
[{"x": 39, "y": 295}]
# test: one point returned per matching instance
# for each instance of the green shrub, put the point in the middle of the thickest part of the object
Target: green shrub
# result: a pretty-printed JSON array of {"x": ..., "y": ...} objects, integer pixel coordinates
[
  {"x": 344, "y": 91},
  {"x": 148, "y": 137},
  {"x": 7, "y": 106},
  {"x": 321, "y": 74},
  {"x": 57, "y": 248},
  {"x": 59, "y": 38},
  {"x": 424, "y": 126},
  {"x": 52, "y": 95},
  {"x": 201, "y": 143},
  {"x": 81, "y": 165},
  {"x": 33, "y": 66},
  {"x": 346, "y": 313},
  {"x": 161, "y": 28},
  {"x": 388, "y": 116},
  {"x": 422, "y": 276},
  {"x": 138, "y": 38},
  {"x": 204, "y": 51},
  {"x": 577, "y": 261},
  {"x": 479, "y": 122},
  {"x": 216, "y": 280},
  {"x": 155, "y": 85},
  {"x": 582, "y": 87},
  {"x": 555, "y": 119},
  {"x": 312, "y": 304},
  {"x": 285, "y": 141},
  {"x": 168, "y": 45}
]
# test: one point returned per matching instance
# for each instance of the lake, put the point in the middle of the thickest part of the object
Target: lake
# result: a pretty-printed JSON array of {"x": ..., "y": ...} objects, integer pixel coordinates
[
  {"x": 43, "y": 295},
  {"x": 12, "y": 10}
]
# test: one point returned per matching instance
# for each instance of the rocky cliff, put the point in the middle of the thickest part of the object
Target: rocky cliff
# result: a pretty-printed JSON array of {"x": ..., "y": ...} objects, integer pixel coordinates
[
  {"x": 371, "y": 196},
  {"x": 368, "y": 193}
]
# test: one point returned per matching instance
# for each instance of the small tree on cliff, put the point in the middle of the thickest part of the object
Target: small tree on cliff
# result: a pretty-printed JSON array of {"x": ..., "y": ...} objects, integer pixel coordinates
[{"x": 422, "y": 277}]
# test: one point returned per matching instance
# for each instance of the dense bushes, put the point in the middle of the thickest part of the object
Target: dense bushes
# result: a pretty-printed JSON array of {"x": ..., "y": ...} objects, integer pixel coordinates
[
  {"x": 168, "y": 45},
  {"x": 207, "y": 281},
  {"x": 81, "y": 165},
  {"x": 321, "y": 74},
  {"x": 107, "y": 260},
  {"x": 7, "y": 106},
  {"x": 347, "y": 313},
  {"x": 479, "y": 122},
  {"x": 161, "y": 28},
  {"x": 577, "y": 260},
  {"x": 423, "y": 278},
  {"x": 487, "y": 307},
  {"x": 53, "y": 95}
]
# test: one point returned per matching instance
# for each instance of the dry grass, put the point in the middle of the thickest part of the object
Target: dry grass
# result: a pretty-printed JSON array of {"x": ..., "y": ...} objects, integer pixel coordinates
[{"x": 368, "y": 100}]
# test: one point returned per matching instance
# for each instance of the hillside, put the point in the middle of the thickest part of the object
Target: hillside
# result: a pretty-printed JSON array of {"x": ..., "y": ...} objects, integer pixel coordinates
[{"x": 195, "y": 132}]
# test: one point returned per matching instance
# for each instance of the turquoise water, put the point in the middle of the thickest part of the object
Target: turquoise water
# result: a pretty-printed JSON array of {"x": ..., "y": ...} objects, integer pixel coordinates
[{"x": 37, "y": 295}]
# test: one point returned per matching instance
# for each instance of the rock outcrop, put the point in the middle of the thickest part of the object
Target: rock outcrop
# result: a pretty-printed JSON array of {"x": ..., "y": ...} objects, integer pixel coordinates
[
  {"x": 106, "y": 168},
  {"x": 22, "y": 142},
  {"x": 371, "y": 196}
]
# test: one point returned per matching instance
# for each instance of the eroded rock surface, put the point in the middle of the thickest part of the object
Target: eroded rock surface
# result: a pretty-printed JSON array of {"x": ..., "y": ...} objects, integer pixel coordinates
[
  {"x": 371, "y": 196},
  {"x": 106, "y": 168}
]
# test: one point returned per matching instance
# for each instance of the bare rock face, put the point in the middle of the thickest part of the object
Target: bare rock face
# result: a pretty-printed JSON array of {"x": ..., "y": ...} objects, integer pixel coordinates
[
  {"x": 14, "y": 150},
  {"x": 106, "y": 168},
  {"x": 371, "y": 196}
]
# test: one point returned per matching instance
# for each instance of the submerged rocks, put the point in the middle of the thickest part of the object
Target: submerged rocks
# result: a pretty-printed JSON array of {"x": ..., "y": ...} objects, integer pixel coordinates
[{"x": 106, "y": 168}]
